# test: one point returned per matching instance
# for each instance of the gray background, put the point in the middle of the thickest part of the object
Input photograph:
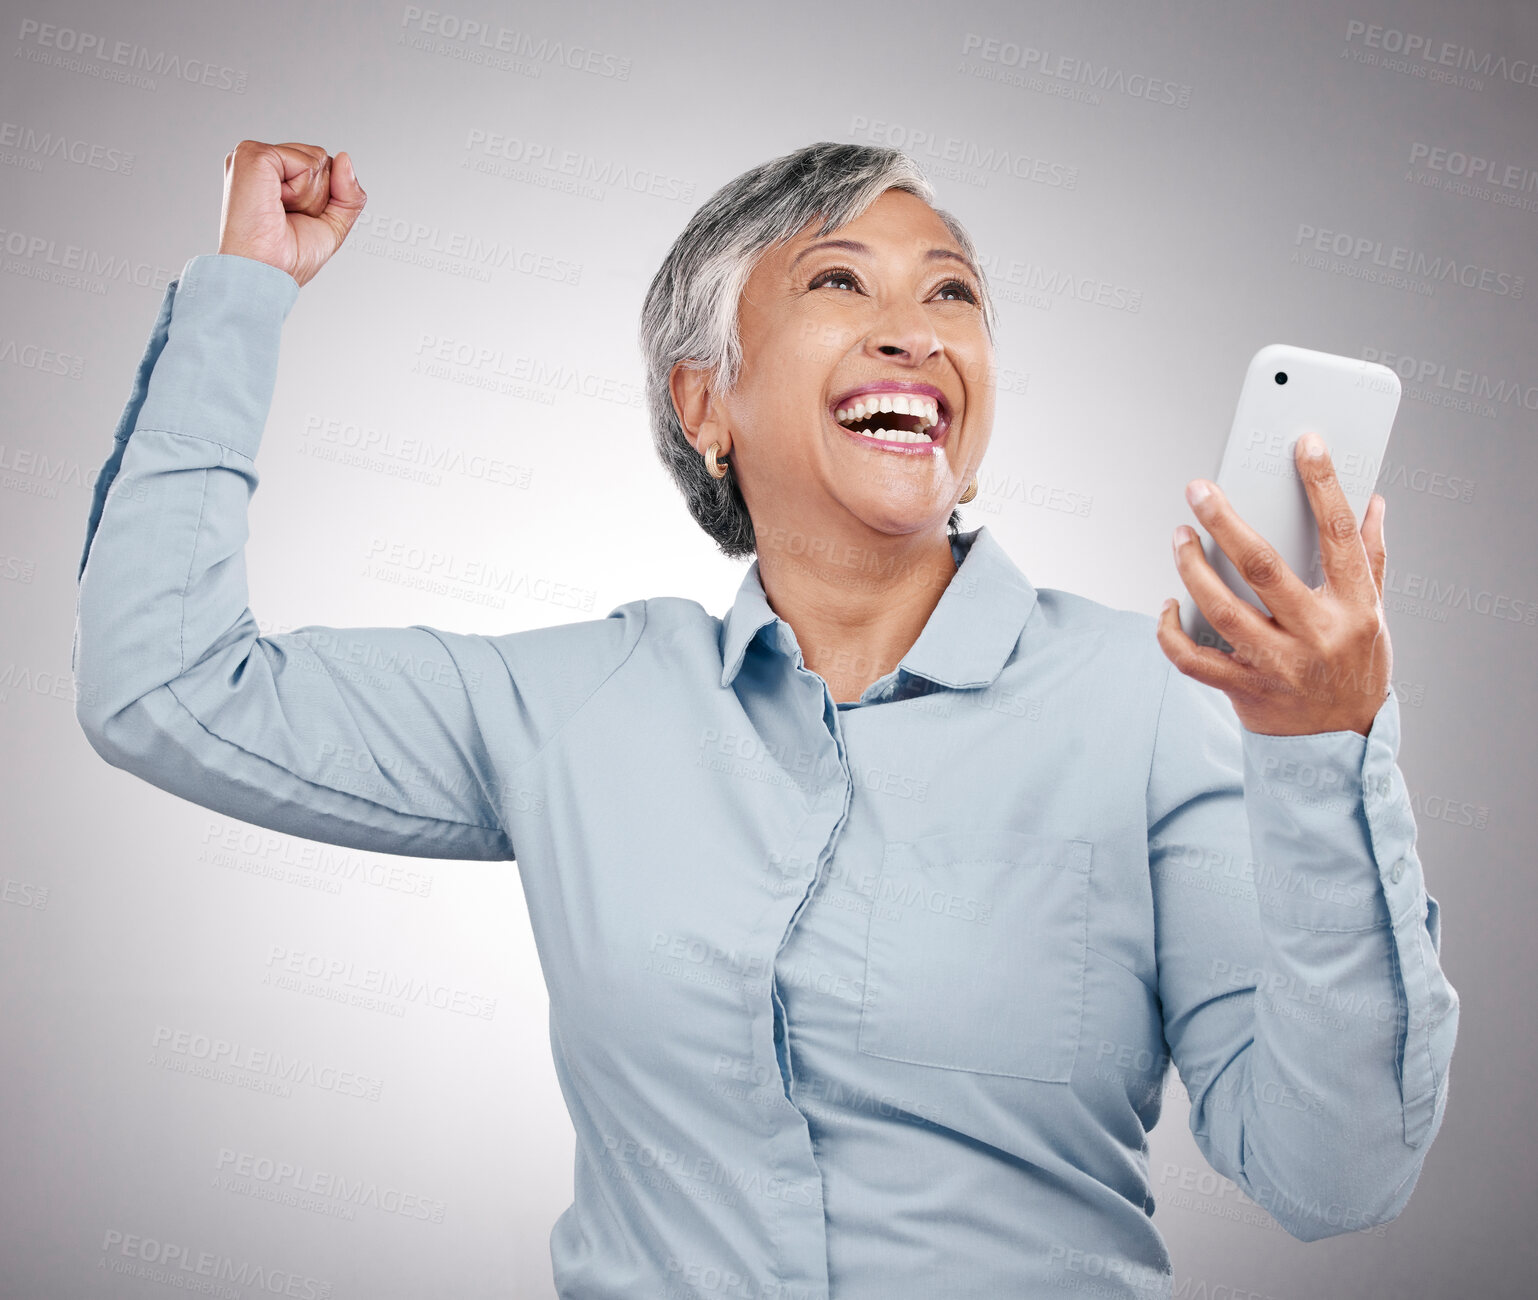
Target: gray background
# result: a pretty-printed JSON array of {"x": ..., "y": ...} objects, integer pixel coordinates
[{"x": 129, "y": 916}]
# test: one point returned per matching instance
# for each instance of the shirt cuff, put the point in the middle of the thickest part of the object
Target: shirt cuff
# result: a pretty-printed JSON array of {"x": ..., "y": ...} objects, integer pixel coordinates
[
  {"x": 1332, "y": 827},
  {"x": 216, "y": 374}
]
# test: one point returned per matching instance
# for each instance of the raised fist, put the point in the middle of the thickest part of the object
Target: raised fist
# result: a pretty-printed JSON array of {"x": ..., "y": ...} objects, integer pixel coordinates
[{"x": 288, "y": 205}]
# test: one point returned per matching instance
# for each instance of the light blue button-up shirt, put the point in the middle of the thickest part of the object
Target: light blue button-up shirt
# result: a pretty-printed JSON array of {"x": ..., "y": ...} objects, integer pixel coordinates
[{"x": 871, "y": 999}]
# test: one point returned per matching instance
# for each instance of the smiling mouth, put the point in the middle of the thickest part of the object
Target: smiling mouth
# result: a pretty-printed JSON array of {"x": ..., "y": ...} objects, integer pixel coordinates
[{"x": 894, "y": 420}]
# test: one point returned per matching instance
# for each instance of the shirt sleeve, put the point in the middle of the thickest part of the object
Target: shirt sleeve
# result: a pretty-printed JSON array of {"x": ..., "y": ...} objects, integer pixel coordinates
[
  {"x": 373, "y": 738},
  {"x": 1298, "y": 954}
]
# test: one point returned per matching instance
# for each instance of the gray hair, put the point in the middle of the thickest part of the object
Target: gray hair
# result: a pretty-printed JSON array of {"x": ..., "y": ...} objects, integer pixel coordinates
[{"x": 690, "y": 312}]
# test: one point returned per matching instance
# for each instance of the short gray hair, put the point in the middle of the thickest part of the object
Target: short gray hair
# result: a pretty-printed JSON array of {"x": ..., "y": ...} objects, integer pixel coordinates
[{"x": 690, "y": 312}]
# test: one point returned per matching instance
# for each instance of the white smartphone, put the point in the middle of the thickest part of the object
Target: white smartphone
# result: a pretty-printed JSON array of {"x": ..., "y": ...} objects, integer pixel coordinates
[{"x": 1289, "y": 391}]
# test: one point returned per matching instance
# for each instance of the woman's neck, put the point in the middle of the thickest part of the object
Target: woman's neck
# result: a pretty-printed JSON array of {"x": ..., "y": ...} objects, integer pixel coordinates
[{"x": 856, "y": 607}]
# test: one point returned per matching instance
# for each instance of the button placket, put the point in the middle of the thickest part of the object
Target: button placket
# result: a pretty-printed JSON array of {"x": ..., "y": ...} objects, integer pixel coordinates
[{"x": 839, "y": 792}]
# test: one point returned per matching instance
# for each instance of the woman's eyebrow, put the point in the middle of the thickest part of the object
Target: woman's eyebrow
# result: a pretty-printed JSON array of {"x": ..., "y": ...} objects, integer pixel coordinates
[{"x": 854, "y": 246}]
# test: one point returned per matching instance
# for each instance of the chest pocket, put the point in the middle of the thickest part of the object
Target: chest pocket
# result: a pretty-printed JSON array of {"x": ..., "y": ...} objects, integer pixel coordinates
[{"x": 976, "y": 952}]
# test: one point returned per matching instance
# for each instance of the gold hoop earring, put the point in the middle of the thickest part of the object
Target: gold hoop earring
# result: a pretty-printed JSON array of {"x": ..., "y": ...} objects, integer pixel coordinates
[
  {"x": 969, "y": 493},
  {"x": 715, "y": 468}
]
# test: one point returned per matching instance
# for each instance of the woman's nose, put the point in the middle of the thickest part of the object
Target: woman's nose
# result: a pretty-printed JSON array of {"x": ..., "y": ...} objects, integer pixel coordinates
[{"x": 903, "y": 329}]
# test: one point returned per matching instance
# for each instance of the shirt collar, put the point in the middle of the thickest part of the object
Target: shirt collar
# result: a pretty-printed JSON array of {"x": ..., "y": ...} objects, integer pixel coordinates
[{"x": 966, "y": 642}]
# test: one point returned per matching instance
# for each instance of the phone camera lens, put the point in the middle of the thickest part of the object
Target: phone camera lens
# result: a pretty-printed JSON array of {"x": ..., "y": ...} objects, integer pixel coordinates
[{"x": 1281, "y": 376}]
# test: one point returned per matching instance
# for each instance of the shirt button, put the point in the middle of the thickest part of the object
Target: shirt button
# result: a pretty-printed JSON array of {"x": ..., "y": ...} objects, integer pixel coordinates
[{"x": 1396, "y": 871}]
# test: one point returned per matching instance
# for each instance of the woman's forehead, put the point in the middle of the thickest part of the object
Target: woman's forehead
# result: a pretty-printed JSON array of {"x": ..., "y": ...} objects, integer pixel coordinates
[{"x": 893, "y": 214}]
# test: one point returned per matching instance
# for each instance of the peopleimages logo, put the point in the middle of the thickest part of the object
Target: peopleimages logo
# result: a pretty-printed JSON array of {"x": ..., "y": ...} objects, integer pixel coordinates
[
  {"x": 1428, "y": 596},
  {"x": 1457, "y": 380},
  {"x": 285, "y": 1182},
  {"x": 1446, "y": 54},
  {"x": 1064, "y": 74},
  {"x": 249, "y": 1066},
  {"x": 100, "y": 56},
  {"x": 534, "y": 160},
  {"x": 925, "y": 145},
  {"x": 65, "y": 148},
  {"x": 430, "y": 245},
  {"x": 1502, "y": 183},
  {"x": 343, "y": 975},
  {"x": 78, "y": 265},
  {"x": 182, "y": 1267},
  {"x": 1474, "y": 167},
  {"x": 1365, "y": 251},
  {"x": 491, "y": 37},
  {"x": 1040, "y": 286}
]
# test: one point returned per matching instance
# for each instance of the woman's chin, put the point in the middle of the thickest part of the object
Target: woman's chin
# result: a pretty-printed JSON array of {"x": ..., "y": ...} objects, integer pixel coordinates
[
  {"x": 912, "y": 493},
  {"x": 899, "y": 515}
]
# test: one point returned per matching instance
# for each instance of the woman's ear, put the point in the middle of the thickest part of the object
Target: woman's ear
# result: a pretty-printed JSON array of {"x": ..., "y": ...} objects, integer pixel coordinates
[{"x": 698, "y": 410}]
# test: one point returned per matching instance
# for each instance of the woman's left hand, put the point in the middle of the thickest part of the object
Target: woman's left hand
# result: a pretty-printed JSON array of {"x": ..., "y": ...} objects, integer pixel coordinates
[{"x": 1322, "y": 660}]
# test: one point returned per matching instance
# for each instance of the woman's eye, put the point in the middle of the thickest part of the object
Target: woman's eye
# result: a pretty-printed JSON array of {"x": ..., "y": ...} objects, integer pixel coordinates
[
  {"x": 840, "y": 275},
  {"x": 966, "y": 290},
  {"x": 834, "y": 276}
]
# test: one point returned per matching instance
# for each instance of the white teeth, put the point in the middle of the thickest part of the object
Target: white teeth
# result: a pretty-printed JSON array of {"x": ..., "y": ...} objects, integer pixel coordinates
[
  {"x": 896, "y": 435},
  {"x": 925, "y": 409}
]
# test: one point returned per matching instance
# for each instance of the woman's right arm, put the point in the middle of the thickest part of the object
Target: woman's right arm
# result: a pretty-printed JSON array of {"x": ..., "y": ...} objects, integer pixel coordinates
[{"x": 365, "y": 737}]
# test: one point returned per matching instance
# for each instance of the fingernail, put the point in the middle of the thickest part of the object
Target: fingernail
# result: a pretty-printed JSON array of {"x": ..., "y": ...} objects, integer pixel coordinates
[
  {"x": 1183, "y": 534},
  {"x": 1197, "y": 491},
  {"x": 1313, "y": 445}
]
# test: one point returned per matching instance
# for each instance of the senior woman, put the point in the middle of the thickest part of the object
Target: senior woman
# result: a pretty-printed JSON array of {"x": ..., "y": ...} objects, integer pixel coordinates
[{"x": 873, "y": 914}]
